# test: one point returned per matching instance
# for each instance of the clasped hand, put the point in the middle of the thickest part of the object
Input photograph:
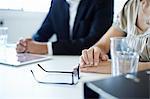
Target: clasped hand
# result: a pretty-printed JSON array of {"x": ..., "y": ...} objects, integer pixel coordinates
[{"x": 30, "y": 46}]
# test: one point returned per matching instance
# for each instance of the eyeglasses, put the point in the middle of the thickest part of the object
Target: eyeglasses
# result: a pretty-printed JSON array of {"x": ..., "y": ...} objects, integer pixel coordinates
[{"x": 56, "y": 77}]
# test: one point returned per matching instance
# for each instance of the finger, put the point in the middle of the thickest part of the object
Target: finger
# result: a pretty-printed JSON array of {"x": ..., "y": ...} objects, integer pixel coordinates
[
  {"x": 91, "y": 69},
  {"x": 85, "y": 56},
  {"x": 90, "y": 55},
  {"x": 81, "y": 61},
  {"x": 20, "y": 48},
  {"x": 22, "y": 42},
  {"x": 28, "y": 39},
  {"x": 104, "y": 57},
  {"x": 97, "y": 69},
  {"x": 96, "y": 56},
  {"x": 30, "y": 46}
]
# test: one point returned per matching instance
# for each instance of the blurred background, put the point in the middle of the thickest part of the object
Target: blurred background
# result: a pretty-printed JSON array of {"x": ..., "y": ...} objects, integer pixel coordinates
[{"x": 24, "y": 17}]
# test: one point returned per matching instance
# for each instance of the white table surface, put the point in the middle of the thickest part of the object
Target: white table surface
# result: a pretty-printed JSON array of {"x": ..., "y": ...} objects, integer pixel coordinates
[{"x": 18, "y": 82}]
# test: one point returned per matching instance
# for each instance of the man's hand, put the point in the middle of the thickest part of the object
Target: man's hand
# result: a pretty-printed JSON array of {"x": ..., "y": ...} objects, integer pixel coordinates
[
  {"x": 22, "y": 45},
  {"x": 30, "y": 46}
]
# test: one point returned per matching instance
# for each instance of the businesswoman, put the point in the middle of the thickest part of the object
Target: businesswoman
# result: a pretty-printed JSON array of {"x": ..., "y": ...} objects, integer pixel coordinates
[{"x": 134, "y": 22}]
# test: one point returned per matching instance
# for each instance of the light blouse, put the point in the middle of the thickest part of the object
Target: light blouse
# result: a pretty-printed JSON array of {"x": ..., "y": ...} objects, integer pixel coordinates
[{"x": 126, "y": 23}]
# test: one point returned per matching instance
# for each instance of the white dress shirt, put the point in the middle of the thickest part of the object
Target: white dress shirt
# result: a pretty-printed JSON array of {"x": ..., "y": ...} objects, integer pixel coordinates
[{"x": 73, "y": 6}]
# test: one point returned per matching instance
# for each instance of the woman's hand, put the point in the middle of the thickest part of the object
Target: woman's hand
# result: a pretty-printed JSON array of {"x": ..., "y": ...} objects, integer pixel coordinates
[
  {"x": 92, "y": 56},
  {"x": 104, "y": 67}
]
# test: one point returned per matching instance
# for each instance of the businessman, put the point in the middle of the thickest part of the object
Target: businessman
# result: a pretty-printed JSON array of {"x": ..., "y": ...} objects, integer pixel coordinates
[{"x": 78, "y": 24}]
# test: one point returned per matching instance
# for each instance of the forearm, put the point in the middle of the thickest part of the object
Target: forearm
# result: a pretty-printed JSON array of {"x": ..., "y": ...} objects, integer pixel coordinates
[
  {"x": 104, "y": 42},
  {"x": 105, "y": 67},
  {"x": 37, "y": 47}
]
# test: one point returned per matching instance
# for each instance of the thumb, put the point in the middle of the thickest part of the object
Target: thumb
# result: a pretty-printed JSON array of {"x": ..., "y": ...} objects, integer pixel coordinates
[
  {"x": 28, "y": 39},
  {"x": 104, "y": 57}
]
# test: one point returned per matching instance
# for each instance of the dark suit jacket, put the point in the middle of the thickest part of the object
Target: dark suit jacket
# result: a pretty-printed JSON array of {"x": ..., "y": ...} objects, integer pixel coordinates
[{"x": 93, "y": 19}]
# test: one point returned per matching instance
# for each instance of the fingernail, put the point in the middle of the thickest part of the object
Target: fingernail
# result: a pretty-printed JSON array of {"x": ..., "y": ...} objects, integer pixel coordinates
[
  {"x": 104, "y": 58},
  {"x": 87, "y": 63},
  {"x": 91, "y": 63}
]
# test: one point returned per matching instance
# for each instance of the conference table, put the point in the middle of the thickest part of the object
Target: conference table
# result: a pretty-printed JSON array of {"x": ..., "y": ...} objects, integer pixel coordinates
[{"x": 18, "y": 82}]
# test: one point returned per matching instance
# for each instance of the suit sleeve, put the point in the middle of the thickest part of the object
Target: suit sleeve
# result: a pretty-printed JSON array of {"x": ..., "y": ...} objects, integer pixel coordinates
[
  {"x": 103, "y": 17},
  {"x": 46, "y": 30}
]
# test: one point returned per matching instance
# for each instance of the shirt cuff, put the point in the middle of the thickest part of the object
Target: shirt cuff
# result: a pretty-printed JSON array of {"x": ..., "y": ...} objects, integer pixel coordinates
[{"x": 50, "y": 50}]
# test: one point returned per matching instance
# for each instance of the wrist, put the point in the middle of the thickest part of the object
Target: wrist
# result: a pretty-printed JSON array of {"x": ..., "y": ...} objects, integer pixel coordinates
[
  {"x": 44, "y": 49},
  {"x": 37, "y": 48}
]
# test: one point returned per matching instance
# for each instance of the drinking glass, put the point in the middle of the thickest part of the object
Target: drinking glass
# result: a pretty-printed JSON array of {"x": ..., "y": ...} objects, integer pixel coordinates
[
  {"x": 3, "y": 41},
  {"x": 3, "y": 36},
  {"x": 124, "y": 59}
]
